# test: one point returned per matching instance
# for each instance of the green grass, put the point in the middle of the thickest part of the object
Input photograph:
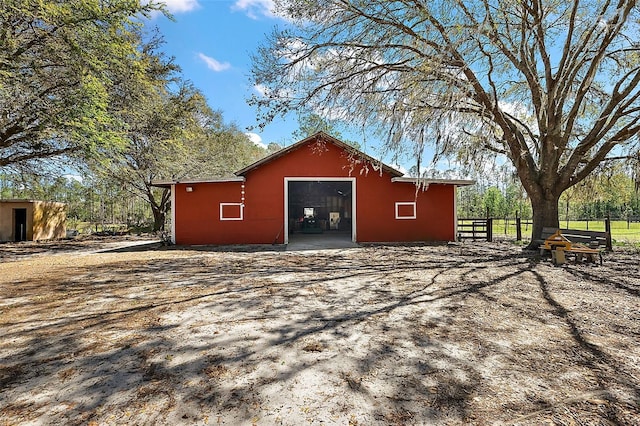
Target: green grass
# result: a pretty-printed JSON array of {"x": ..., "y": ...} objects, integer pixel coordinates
[{"x": 621, "y": 232}]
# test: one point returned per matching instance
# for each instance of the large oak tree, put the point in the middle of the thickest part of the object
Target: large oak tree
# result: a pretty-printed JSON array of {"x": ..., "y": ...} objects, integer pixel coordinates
[
  {"x": 58, "y": 63},
  {"x": 551, "y": 85}
]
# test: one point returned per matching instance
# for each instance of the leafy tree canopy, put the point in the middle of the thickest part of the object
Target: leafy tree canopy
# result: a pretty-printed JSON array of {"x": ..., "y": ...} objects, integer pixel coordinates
[
  {"x": 169, "y": 132},
  {"x": 59, "y": 62}
]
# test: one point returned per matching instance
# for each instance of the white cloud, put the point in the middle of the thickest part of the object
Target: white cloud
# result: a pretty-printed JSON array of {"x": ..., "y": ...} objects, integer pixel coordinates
[
  {"x": 214, "y": 65},
  {"x": 256, "y": 8},
  {"x": 181, "y": 6},
  {"x": 266, "y": 92},
  {"x": 514, "y": 108},
  {"x": 175, "y": 6},
  {"x": 256, "y": 139},
  {"x": 261, "y": 90},
  {"x": 400, "y": 168}
]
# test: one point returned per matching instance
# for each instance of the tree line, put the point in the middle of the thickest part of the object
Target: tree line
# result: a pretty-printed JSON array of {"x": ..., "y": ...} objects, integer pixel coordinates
[{"x": 613, "y": 192}]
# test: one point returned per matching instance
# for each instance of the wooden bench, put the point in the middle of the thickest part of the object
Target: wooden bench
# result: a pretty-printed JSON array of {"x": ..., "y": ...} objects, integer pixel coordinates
[
  {"x": 591, "y": 239},
  {"x": 582, "y": 244}
]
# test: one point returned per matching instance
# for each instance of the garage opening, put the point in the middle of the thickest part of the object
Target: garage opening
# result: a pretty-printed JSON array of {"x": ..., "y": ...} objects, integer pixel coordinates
[{"x": 320, "y": 207}]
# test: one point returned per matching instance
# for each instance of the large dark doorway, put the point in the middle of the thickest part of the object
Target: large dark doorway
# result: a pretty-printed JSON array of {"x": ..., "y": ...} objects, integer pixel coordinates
[
  {"x": 320, "y": 207},
  {"x": 20, "y": 224}
]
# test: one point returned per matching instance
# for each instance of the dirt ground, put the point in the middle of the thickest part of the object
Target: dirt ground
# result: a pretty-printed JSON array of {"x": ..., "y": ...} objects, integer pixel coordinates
[{"x": 474, "y": 333}]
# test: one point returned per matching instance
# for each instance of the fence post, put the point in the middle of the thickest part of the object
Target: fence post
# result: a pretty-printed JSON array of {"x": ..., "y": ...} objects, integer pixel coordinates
[
  {"x": 518, "y": 227},
  {"x": 607, "y": 228},
  {"x": 489, "y": 229}
]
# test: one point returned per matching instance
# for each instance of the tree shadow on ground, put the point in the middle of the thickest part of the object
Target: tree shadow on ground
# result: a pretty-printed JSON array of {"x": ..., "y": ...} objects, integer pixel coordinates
[
  {"x": 382, "y": 335},
  {"x": 617, "y": 387}
]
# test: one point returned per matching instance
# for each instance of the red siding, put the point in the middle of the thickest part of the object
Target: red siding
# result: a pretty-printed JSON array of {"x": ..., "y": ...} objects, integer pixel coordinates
[
  {"x": 378, "y": 197},
  {"x": 197, "y": 214}
]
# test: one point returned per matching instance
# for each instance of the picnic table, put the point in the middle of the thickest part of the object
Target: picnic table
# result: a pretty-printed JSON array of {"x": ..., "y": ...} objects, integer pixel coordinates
[{"x": 559, "y": 245}]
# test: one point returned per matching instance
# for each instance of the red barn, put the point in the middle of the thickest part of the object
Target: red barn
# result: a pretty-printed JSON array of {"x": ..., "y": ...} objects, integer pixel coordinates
[{"x": 318, "y": 185}]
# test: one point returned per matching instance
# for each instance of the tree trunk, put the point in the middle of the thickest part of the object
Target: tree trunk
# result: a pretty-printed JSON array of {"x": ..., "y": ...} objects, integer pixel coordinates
[
  {"x": 159, "y": 209},
  {"x": 545, "y": 213},
  {"x": 158, "y": 218}
]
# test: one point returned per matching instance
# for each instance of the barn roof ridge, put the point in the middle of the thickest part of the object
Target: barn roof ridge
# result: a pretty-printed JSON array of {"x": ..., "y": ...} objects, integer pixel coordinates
[{"x": 325, "y": 137}]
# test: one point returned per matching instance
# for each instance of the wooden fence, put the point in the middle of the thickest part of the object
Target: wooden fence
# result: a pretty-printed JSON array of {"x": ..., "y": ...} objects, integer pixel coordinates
[
  {"x": 482, "y": 228},
  {"x": 475, "y": 229}
]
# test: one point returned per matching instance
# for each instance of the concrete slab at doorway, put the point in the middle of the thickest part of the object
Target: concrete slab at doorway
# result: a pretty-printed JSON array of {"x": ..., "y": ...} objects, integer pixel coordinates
[{"x": 300, "y": 242}]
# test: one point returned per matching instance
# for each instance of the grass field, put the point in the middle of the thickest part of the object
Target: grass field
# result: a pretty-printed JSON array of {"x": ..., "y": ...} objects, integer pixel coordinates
[{"x": 621, "y": 231}]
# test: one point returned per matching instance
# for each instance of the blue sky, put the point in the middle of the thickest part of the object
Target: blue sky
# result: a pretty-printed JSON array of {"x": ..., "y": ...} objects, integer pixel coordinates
[{"x": 212, "y": 41}]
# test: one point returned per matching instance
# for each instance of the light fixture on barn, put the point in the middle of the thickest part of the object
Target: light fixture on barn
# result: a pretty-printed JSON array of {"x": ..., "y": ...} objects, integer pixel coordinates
[{"x": 189, "y": 188}]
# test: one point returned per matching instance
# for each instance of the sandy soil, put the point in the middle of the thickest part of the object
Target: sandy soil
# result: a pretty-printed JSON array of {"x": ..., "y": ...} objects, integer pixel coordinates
[{"x": 448, "y": 334}]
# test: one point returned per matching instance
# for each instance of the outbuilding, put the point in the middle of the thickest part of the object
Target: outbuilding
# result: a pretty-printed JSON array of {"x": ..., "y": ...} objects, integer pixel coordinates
[
  {"x": 318, "y": 185},
  {"x": 32, "y": 220}
]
